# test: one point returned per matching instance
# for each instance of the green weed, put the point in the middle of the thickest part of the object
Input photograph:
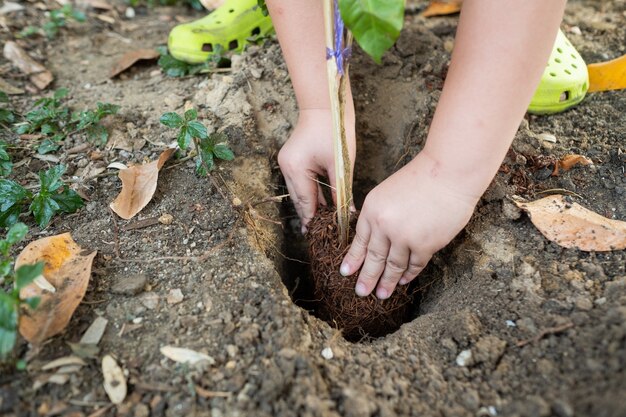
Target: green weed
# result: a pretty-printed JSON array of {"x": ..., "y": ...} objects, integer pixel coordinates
[
  {"x": 56, "y": 20},
  {"x": 52, "y": 197},
  {"x": 208, "y": 147},
  {"x": 55, "y": 122},
  {"x": 175, "y": 68},
  {"x": 13, "y": 281}
]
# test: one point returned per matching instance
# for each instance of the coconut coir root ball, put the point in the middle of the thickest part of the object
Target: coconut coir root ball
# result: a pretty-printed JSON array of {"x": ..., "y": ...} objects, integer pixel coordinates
[{"x": 338, "y": 304}]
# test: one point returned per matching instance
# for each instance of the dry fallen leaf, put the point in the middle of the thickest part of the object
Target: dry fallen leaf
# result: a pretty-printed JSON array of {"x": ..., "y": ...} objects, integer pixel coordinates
[
  {"x": 39, "y": 75},
  {"x": 64, "y": 361},
  {"x": 138, "y": 186},
  {"x": 131, "y": 58},
  {"x": 95, "y": 332},
  {"x": 568, "y": 162},
  {"x": 67, "y": 268},
  {"x": 9, "y": 88},
  {"x": 573, "y": 226},
  {"x": 183, "y": 355},
  {"x": 610, "y": 75},
  {"x": 114, "y": 380},
  {"x": 440, "y": 8}
]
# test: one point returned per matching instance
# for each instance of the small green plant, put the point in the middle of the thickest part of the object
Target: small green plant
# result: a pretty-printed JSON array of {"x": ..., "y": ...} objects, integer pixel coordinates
[
  {"x": 208, "y": 147},
  {"x": 56, "y": 20},
  {"x": 55, "y": 122},
  {"x": 6, "y": 113},
  {"x": 11, "y": 283},
  {"x": 54, "y": 196},
  {"x": 6, "y": 166},
  {"x": 175, "y": 68}
]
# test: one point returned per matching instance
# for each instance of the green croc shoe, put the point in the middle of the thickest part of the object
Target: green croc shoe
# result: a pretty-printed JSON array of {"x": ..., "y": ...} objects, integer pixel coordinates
[
  {"x": 564, "y": 82},
  {"x": 230, "y": 26}
]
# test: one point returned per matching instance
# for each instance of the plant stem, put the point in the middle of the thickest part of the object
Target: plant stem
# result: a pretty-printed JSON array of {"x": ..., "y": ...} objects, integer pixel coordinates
[{"x": 337, "y": 89}]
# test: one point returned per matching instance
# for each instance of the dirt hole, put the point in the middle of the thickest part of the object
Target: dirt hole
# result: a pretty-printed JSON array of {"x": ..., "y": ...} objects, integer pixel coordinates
[{"x": 295, "y": 271}]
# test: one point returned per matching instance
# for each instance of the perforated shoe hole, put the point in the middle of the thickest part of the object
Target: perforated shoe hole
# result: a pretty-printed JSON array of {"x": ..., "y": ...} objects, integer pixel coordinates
[
  {"x": 233, "y": 45},
  {"x": 207, "y": 47},
  {"x": 256, "y": 31},
  {"x": 564, "y": 96}
]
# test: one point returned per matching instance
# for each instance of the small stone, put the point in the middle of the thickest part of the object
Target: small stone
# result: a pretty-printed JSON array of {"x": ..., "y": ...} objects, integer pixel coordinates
[
  {"x": 131, "y": 285},
  {"x": 510, "y": 210},
  {"x": 256, "y": 73},
  {"x": 575, "y": 30},
  {"x": 511, "y": 323},
  {"x": 600, "y": 301},
  {"x": 129, "y": 13},
  {"x": 464, "y": 358},
  {"x": 562, "y": 409},
  {"x": 149, "y": 300},
  {"x": 166, "y": 219},
  {"x": 141, "y": 410},
  {"x": 547, "y": 137},
  {"x": 137, "y": 320},
  {"x": 236, "y": 202},
  {"x": 583, "y": 303},
  {"x": 327, "y": 353},
  {"x": 175, "y": 296}
]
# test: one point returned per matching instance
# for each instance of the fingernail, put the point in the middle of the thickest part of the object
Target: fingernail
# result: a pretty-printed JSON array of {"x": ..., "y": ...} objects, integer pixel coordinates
[
  {"x": 360, "y": 289},
  {"x": 382, "y": 293},
  {"x": 344, "y": 269},
  {"x": 304, "y": 229},
  {"x": 403, "y": 281}
]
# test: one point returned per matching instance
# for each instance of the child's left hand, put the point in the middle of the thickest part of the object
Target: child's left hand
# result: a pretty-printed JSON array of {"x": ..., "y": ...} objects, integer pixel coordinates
[{"x": 404, "y": 221}]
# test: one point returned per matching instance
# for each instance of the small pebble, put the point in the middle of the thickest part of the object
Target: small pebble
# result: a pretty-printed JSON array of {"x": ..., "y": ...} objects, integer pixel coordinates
[
  {"x": 175, "y": 296},
  {"x": 327, "y": 353},
  {"x": 129, "y": 13},
  {"x": 166, "y": 219},
  {"x": 464, "y": 358},
  {"x": 548, "y": 137},
  {"x": 511, "y": 323}
]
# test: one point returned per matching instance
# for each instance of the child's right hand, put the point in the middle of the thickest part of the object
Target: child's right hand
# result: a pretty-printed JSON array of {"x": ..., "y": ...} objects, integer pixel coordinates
[{"x": 308, "y": 154}]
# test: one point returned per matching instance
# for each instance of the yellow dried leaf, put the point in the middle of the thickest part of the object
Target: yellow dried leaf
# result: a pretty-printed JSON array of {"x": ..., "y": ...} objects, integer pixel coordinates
[
  {"x": 610, "y": 75},
  {"x": 39, "y": 75},
  {"x": 138, "y": 186},
  {"x": 441, "y": 8},
  {"x": 67, "y": 268},
  {"x": 570, "y": 225},
  {"x": 568, "y": 162}
]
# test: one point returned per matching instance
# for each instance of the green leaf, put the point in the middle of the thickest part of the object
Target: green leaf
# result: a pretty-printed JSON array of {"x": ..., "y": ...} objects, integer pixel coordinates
[
  {"x": 61, "y": 93},
  {"x": 222, "y": 151},
  {"x": 7, "y": 341},
  {"x": 184, "y": 138},
  {"x": 26, "y": 274},
  {"x": 16, "y": 233},
  {"x": 6, "y": 116},
  {"x": 78, "y": 16},
  {"x": 173, "y": 67},
  {"x": 97, "y": 134},
  {"x": 43, "y": 208},
  {"x": 5, "y": 265},
  {"x": 197, "y": 130},
  {"x": 8, "y": 324},
  {"x": 32, "y": 302},
  {"x": 68, "y": 200},
  {"x": 204, "y": 161},
  {"x": 107, "y": 109},
  {"x": 12, "y": 197},
  {"x": 375, "y": 24},
  {"x": 4, "y": 98},
  {"x": 172, "y": 120},
  {"x": 47, "y": 146},
  {"x": 191, "y": 114},
  {"x": 50, "y": 180}
]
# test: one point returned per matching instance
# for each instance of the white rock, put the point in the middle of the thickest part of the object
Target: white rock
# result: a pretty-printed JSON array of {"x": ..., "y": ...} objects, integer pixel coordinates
[
  {"x": 464, "y": 358},
  {"x": 327, "y": 353}
]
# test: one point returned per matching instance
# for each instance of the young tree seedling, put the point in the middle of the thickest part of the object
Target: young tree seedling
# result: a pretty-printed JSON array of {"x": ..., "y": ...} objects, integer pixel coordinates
[
  {"x": 56, "y": 20},
  {"x": 172, "y": 67},
  {"x": 208, "y": 147}
]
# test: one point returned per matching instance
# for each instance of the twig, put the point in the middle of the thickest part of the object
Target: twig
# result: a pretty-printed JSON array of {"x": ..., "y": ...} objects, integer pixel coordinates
[
  {"x": 116, "y": 234},
  {"x": 545, "y": 332},
  {"x": 560, "y": 190}
]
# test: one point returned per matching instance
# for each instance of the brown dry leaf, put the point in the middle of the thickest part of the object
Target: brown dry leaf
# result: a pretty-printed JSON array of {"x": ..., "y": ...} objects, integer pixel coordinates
[
  {"x": 114, "y": 380},
  {"x": 138, "y": 186},
  {"x": 131, "y": 58},
  {"x": 39, "y": 75},
  {"x": 9, "y": 88},
  {"x": 568, "y": 162},
  {"x": 610, "y": 75},
  {"x": 572, "y": 226},
  {"x": 184, "y": 355},
  {"x": 441, "y": 8},
  {"x": 67, "y": 268}
]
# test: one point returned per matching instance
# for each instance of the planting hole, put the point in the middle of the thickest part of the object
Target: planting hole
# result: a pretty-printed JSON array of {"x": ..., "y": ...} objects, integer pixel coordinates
[
  {"x": 568, "y": 72},
  {"x": 559, "y": 50},
  {"x": 256, "y": 31},
  {"x": 574, "y": 66},
  {"x": 553, "y": 74},
  {"x": 557, "y": 60}
]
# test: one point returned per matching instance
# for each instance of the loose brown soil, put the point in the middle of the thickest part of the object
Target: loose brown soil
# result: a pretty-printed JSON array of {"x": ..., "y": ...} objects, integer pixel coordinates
[{"x": 512, "y": 324}]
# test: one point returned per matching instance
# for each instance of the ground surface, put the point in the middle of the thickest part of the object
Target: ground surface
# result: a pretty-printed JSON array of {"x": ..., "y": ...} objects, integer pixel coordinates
[{"x": 497, "y": 284}]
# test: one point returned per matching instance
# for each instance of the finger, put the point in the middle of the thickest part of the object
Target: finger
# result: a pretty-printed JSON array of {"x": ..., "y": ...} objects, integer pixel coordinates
[
  {"x": 416, "y": 266},
  {"x": 303, "y": 192},
  {"x": 396, "y": 264},
  {"x": 358, "y": 249},
  {"x": 374, "y": 264},
  {"x": 320, "y": 196}
]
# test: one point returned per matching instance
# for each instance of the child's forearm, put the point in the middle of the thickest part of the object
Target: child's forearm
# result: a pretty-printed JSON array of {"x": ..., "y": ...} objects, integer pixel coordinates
[{"x": 500, "y": 52}]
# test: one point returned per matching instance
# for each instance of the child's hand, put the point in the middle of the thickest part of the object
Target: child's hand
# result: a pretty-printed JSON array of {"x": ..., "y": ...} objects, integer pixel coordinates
[
  {"x": 308, "y": 154},
  {"x": 404, "y": 221}
]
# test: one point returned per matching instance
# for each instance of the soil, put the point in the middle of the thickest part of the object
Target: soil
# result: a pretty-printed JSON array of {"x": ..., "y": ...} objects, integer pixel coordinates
[{"x": 510, "y": 325}]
